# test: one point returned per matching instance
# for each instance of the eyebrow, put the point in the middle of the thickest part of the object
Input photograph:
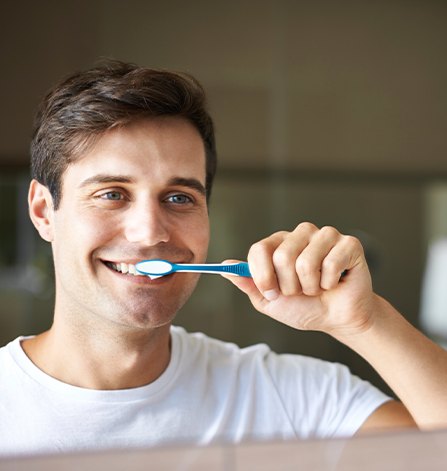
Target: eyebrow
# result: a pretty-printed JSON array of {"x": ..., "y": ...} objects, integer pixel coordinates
[
  {"x": 192, "y": 183},
  {"x": 106, "y": 179}
]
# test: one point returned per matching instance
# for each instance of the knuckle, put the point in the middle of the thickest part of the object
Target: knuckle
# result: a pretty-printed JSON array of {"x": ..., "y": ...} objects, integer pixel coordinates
[
  {"x": 351, "y": 239},
  {"x": 329, "y": 232},
  {"x": 353, "y": 242},
  {"x": 331, "y": 265},
  {"x": 265, "y": 245},
  {"x": 281, "y": 256},
  {"x": 306, "y": 227},
  {"x": 281, "y": 234},
  {"x": 304, "y": 266},
  {"x": 257, "y": 248}
]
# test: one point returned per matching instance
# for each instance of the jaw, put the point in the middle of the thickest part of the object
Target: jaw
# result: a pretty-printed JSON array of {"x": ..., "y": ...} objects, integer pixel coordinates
[
  {"x": 94, "y": 295},
  {"x": 123, "y": 300}
]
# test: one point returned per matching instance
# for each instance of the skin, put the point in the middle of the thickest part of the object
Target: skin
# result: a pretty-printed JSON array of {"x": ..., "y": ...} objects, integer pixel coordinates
[
  {"x": 297, "y": 280},
  {"x": 139, "y": 193}
]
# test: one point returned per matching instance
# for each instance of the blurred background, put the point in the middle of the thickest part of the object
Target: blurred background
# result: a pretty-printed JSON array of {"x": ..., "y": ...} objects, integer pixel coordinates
[{"x": 329, "y": 111}]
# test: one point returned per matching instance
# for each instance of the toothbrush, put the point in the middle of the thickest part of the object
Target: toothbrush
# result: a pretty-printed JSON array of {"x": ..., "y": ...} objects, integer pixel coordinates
[{"x": 156, "y": 268}]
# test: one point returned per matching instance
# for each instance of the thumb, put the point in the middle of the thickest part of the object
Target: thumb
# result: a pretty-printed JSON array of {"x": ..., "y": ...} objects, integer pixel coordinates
[{"x": 246, "y": 285}]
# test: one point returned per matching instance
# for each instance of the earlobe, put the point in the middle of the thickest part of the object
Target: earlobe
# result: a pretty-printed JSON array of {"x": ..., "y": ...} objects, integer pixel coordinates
[{"x": 40, "y": 205}]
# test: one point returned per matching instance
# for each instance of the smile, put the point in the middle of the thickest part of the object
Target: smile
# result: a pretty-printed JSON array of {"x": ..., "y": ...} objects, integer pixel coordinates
[{"x": 125, "y": 268}]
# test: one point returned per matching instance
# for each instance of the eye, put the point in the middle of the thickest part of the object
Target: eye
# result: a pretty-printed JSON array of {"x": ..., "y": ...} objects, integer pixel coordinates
[
  {"x": 112, "y": 196},
  {"x": 179, "y": 199}
]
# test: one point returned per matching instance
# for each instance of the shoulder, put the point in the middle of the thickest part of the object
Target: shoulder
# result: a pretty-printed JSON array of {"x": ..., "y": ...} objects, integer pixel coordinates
[
  {"x": 319, "y": 398},
  {"x": 12, "y": 362},
  {"x": 11, "y": 350}
]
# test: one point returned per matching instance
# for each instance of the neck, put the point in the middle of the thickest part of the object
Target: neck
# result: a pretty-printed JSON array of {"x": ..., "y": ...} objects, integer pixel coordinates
[{"x": 115, "y": 358}]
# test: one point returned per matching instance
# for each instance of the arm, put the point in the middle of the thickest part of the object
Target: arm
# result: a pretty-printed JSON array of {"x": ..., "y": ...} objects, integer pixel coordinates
[
  {"x": 412, "y": 365},
  {"x": 297, "y": 281}
]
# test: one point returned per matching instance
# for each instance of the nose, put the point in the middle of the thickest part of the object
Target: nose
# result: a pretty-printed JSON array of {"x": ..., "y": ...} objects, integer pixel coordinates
[{"x": 147, "y": 223}]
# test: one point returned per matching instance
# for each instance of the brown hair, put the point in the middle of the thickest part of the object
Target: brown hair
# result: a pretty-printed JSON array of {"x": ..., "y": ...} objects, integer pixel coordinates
[{"x": 85, "y": 105}]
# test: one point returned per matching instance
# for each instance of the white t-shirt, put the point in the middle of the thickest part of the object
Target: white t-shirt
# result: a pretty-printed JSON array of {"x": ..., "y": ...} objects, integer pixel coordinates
[{"x": 211, "y": 392}]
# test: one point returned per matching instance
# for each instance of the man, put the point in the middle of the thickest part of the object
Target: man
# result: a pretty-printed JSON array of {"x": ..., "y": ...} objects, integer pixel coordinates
[{"x": 123, "y": 160}]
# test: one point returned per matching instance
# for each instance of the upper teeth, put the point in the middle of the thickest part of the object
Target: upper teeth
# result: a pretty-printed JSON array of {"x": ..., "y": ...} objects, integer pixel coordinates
[{"x": 125, "y": 268}]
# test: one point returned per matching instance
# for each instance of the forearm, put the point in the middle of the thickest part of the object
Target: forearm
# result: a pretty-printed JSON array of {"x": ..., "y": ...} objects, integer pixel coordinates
[
  {"x": 296, "y": 280},
  {"x": 412, "y": 365}
]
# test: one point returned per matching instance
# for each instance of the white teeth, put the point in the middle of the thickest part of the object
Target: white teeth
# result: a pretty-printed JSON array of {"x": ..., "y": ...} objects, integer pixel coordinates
[{"x": 126, "y": 268}]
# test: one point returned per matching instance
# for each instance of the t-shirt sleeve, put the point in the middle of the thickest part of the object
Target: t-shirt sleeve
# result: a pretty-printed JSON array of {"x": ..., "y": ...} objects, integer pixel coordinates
[{"x": 322, "y": 399}]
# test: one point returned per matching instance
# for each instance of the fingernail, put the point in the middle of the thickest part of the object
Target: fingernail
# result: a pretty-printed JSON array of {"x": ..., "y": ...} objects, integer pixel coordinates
[{"x": 271, "y": 294}]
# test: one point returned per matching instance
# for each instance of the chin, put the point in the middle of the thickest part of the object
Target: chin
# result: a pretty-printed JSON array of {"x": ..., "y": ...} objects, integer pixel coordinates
[{"x": 150, "y": 316}]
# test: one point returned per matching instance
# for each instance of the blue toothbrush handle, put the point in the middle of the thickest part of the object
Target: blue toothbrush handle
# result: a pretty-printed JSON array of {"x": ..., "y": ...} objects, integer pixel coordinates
[{"x": 240, "y": 269}]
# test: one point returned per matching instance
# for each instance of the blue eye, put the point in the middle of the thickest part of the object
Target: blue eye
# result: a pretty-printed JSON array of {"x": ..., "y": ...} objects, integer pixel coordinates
[
  {"x": 112, "y": 195},
  {"x": 179, "y": 199}
]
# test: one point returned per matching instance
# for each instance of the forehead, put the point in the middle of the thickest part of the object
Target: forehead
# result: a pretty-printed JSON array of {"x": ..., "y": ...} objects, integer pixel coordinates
[{"x": 153, "y": 148}]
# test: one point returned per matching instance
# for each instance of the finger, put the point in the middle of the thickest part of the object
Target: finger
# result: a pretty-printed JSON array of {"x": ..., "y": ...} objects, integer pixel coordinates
[
  {"x": 309, "y": 264},
  {"x": 247, "y": 286},
  {"x": 261, "y": 264},
  {"x": 286, "y": 254},
  {"x": 344, "y": 256}
]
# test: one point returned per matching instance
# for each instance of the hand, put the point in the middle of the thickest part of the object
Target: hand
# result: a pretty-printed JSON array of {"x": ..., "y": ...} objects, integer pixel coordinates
[{"x": 297, "y": 280}]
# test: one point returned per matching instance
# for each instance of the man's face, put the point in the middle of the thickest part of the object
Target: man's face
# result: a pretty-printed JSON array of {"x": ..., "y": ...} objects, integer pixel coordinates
[{"x": 139, "y": 193}]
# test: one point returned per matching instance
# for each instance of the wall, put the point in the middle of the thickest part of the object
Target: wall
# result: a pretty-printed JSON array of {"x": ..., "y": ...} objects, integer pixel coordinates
[{"x": 326, "y": 111}]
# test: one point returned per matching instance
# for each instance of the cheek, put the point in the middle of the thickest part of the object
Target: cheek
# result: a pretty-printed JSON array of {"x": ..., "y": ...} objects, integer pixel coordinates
[
  {"x": 82, "y": 231},
  {"x": 200, "y": 235}
]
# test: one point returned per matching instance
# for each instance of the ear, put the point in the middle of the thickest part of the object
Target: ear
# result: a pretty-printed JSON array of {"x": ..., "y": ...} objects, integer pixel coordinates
[{"x": 40, "y": 205}]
